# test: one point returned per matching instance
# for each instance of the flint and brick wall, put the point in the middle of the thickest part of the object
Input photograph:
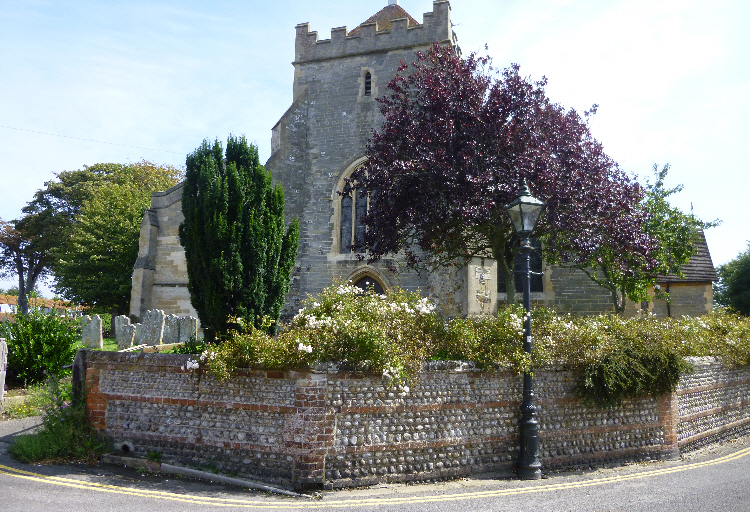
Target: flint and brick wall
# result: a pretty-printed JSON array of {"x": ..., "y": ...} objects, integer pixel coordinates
[
  {"x": 713, "y": 402},
  {"x": 333, "y": 429}
]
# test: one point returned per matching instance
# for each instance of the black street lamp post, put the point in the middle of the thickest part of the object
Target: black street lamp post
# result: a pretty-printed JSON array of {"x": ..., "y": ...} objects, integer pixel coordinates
[{"x": 524, "y": 214}]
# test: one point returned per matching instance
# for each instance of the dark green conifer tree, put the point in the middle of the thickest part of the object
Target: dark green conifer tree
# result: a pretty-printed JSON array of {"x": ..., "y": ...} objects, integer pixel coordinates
[{"x": 239, "y": 255}]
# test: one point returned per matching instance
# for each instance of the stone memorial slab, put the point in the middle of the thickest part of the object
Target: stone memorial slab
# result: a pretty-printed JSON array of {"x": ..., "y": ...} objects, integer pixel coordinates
[
  {"x": 120, "y": 322},
  {"x": 127, "y": 336},
  {"x": 188, "y": 328},
  {"x": 153, "y": 327},
  {"x": 138, "y": 336},
  {"x": 171, "y": 330},
  {"x": 91, "y": 332}
]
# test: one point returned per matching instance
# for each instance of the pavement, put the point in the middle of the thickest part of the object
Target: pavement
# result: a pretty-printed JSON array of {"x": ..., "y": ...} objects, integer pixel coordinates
[
  {"x": 125, "y": 469},
  {"x": 12, "y": 428}
]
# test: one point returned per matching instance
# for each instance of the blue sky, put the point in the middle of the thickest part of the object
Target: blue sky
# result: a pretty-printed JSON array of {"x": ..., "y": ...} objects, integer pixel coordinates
[{"x": 128, "y": 80}]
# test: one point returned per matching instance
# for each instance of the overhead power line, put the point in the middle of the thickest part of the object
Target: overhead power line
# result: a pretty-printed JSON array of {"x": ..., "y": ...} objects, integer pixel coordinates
[{"x": 88, "y": 140}]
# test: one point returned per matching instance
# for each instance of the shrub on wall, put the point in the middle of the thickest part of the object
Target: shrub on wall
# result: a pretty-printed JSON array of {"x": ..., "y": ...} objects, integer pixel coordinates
[
  {"x": 394, "y": 334},
  {"x": 39, "y": 345},
  {"x": 357, "y": 329}
]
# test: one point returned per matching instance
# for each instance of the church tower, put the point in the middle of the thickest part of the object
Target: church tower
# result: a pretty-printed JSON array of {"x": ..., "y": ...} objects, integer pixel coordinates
[{"x": 322, "y": 139}]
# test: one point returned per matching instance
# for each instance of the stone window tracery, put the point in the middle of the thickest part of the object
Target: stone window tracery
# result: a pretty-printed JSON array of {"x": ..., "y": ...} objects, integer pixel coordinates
[{"x": 354, "y": 206}]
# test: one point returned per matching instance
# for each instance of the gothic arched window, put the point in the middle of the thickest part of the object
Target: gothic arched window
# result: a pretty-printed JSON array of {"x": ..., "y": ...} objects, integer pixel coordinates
[{"x": 352, "y": 232}]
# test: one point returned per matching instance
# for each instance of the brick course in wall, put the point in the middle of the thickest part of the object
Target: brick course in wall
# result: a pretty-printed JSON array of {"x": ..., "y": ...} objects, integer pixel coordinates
[{"x": 319, "y": 429}]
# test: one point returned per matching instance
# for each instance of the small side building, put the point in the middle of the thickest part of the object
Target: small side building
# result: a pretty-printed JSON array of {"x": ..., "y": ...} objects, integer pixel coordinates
[{"x": 691, "y": 294}]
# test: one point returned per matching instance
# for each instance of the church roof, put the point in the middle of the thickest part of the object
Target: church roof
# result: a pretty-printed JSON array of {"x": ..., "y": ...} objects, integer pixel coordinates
[
  {"x": 700, "y": 268},
  {"x": 384, "y": 18}
]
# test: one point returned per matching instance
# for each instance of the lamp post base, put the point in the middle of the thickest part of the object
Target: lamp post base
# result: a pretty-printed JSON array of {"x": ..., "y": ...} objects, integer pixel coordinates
[
  {"x": 529, "y": 463},
  {"x": 529, "y": 473}
]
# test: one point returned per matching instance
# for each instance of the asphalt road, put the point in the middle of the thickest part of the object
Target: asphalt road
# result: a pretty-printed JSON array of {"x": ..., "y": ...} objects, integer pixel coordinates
[{"x": 715, "y": 478}]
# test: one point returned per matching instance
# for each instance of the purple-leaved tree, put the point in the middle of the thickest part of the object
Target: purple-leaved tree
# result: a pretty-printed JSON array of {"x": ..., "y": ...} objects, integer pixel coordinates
[{"x": 456, "y": 140}]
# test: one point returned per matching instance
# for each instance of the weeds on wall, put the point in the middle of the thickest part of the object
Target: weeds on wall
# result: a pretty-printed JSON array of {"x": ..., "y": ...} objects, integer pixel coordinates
[
  {"x": 394, "y": 334},
  {"x": 65, "y": 433}
]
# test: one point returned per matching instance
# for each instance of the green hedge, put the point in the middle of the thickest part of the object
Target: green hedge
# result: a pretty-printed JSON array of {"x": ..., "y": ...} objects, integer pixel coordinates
[{"x": 39, "y": 345}]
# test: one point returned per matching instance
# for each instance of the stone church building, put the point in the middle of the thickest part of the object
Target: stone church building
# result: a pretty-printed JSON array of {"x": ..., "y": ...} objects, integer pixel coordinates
[{"x": 318, "y": 142}]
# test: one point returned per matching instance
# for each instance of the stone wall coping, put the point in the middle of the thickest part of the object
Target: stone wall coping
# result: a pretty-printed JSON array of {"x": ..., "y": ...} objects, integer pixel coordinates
[
  {"x": 340, "y": 371},
  {"x": 178, "y": 360},
  {"x": 704, "y": 361}
]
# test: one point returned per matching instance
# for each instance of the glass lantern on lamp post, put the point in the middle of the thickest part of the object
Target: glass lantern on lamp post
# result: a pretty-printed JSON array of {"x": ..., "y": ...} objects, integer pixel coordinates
[{"x": 524, "y": 213}]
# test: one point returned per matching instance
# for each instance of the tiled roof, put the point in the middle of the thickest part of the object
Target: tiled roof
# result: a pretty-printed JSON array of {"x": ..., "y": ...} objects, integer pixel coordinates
[
  {"x": 12, "y": 300},
  {"x": 700, "y": 268},
  {"x": 385, "y": 17}
]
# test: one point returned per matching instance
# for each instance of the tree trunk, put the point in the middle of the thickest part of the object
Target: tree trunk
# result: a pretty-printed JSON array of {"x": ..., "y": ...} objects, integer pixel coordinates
[
  {"x": 26, "y": 283},
  {"x": 618, "y": 300},
  {"x": 510, "y": 277}
]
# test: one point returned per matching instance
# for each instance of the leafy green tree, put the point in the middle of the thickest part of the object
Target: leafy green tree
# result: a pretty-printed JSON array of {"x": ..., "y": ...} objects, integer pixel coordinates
[
  {"x": 239, "y": 255},
  {"x": 733, "y": 290},
  {"x": 25, "y": 252},
  {"x": 96, "y": 214},
  {"x": 673, "y": 234}
]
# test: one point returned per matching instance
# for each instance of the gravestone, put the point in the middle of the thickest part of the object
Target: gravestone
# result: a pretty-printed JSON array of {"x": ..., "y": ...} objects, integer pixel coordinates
[
  {"x": 91, "y": 332},
  {"x": 120, "y": 323},
  {"x": 153, "y": 327},
  {"x": 127, "y": 336},
  {"x": 138, "y": 336},
  {"x": 188, "y": 328},
  {"x": 171, "y": 330}
]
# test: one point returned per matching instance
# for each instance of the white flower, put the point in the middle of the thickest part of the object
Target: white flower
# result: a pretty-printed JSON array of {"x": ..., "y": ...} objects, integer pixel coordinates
[
  {"x": 304, "y": 348},
  {"x": 190, "y": 365}
]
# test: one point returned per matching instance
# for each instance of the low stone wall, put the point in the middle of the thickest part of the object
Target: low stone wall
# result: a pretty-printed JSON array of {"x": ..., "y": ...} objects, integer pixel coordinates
[
  {"x": 713, "y": 403},
  {"x": 333, "y": 429}
]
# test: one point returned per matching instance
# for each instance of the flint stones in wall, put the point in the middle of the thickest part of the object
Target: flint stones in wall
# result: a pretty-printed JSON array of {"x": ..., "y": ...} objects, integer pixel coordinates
[
  {"x": 153, "y": 327},
  {"x": 91, "y": 332}
]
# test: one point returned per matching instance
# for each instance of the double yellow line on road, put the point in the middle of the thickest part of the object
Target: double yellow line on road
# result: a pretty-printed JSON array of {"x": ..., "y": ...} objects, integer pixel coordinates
[{"x": 537, "y": 487}]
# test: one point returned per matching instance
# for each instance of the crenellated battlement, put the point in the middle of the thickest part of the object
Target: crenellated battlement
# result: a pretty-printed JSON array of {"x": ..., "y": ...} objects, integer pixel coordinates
[{"x": 435, "y": 27}]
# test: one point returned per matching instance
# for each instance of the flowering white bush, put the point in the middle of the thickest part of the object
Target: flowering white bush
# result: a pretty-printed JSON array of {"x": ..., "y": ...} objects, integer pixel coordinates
[
  {"x": 394, "y": 334},
  {"x": 385, "y": 333}
]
